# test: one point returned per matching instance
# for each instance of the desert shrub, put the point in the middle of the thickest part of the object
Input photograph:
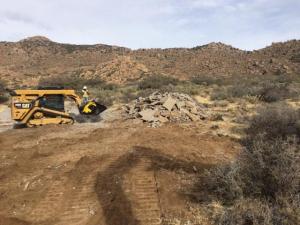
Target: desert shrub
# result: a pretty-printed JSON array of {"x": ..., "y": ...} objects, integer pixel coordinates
[
  {"x": 220, "y": 93},
  {"x": 274, "y": 92},
  {"x": 275, "y": 121},
  {"x": 128, "y": 97},
  {"x": 259, "y": 186},
  {"x": 105, "y": 97},
  {"x": 242, "y": 90},
  {"x": 257, "y": 212},
  {"x": 206, "y": 80},
  {"x": 107, "y": 86},
  {"x": 265, "y": 88},
  {"x": 2, "y": 86},
  {"x": 71, "y": 81},
  {"x": 157, "y": 82},
  {"x": 296, "y": 58},
  {"x": 131, "y": 93},
  {"x": 246, "y": 211},
  {"x": 3, "y": 96},
  {"x": 236, "y": 91},
  {"x": 187, "y": 88},
  {"x": 262, "y": 185},
  {"x": 265, "y": 170},
  {"x": 128, "y": 94}
]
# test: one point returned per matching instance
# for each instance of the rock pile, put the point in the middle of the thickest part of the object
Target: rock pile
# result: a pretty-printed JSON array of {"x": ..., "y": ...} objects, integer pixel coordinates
[{"x": 160, "y": 108}]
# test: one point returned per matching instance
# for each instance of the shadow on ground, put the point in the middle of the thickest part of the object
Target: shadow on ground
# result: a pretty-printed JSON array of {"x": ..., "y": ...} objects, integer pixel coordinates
[{"x": 117, "y": 208}]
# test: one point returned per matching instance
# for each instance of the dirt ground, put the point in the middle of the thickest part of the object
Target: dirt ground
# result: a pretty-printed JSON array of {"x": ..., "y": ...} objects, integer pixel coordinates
[{"x": 114, "y": 173}]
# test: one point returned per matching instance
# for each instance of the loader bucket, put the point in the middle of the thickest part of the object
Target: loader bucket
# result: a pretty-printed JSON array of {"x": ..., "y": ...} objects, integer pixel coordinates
[{"x": 92, "y": 108}]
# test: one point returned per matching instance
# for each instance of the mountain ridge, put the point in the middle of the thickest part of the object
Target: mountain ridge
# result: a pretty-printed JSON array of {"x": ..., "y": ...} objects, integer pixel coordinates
[
  {"x": 30, "y": 59},
  {"x": 45, "y": 39}
]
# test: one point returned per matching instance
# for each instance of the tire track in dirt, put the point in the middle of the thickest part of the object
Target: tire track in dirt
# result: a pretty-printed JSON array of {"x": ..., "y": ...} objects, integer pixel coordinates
[
  {"x": 47, "y": 208},
  {"x": 145, "y": 198},
  {"x": 81, "y": 205},
  {"x": 127, "y": 191}
]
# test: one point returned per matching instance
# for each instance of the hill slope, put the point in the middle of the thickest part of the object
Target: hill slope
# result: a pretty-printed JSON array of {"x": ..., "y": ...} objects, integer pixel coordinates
[{"x": 26, "y": 61}]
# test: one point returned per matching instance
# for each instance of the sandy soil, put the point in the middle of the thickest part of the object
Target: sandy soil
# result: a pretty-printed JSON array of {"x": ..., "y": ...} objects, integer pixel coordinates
[{"x": 112, "y": 173}]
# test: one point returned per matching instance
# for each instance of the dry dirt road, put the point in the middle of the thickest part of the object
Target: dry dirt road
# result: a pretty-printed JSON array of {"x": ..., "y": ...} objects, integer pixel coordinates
[{"x": 116, "y": 173}]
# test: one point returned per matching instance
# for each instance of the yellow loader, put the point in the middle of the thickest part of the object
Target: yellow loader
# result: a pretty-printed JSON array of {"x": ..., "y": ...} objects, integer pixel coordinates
[{"x": 46, "y": 106}]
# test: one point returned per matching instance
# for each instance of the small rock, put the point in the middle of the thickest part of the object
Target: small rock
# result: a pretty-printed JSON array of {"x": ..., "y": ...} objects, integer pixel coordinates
[
  {"x": 163, "y": 119},
  {"x": 216, "y": 117},
  {"x": 214, "y": 127}
]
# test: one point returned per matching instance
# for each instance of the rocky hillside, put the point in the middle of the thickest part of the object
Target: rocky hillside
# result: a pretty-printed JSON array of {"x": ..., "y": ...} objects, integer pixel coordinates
[{"x": 26, "y": 61}]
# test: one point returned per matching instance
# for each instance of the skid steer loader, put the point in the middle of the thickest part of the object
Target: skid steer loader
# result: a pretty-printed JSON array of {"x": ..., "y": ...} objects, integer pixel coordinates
[{"x": 46, "y": 105}]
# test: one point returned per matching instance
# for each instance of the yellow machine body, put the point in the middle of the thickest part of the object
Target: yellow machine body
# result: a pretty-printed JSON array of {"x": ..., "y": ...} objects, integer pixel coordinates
[
  {"x": 87, "y": 108},
  {"x": 30, "y": 107}
]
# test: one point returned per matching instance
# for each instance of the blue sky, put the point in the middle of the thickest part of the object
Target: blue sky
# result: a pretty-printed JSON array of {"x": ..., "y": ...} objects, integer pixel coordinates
[{"x": 153, "y": 23}]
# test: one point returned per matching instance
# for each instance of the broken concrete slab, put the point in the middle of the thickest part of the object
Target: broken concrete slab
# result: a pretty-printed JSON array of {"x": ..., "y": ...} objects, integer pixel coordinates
[
  {"x": 148, "y": 115},
  {"x": 160, "y": 108},
  {"x": 169, "y": 103},
  {"x": 193, "y": 117},
  {"x": 180, "y": 104}
]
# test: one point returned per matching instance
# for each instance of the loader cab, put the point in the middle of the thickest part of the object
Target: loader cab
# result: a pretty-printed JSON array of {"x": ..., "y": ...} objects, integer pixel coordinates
[{"x": 52, "y": 101}]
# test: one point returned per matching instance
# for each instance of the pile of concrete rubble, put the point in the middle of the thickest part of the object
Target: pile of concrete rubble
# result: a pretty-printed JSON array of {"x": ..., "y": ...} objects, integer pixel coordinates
[{"x": 159, "y": 108}]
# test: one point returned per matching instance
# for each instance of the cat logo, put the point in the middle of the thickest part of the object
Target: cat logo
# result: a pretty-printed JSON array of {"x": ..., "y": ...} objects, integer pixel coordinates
[{"x": 23, "y": 105}]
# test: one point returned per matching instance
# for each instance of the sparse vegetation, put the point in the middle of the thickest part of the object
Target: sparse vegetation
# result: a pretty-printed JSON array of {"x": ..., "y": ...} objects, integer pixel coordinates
[
  {"x": 275, "y": 122},
  {"x": 265, "y": 88},
  {"x": 73, "y": 81},
  {"x": 157, "y": 82},
  {"x": 3, "y": 96},
  {"x": 105, "y": 97},
  {"x": 262, "y": 185},
  {"x": 207, "y": 80}
]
